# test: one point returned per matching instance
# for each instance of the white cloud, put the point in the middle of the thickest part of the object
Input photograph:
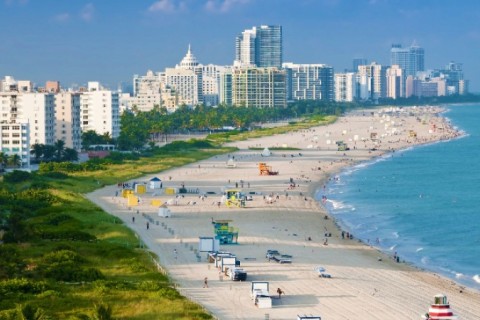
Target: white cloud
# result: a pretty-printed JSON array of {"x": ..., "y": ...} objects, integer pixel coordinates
[
  {"x": 87, "y": 12},
  {"x": 62, "y": 17},
  {"x": 223, "y": 5},
  {"x": 163, "y": 6}
]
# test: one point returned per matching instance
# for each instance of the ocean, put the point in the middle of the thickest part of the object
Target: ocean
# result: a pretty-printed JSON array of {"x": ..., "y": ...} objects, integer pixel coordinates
[{"x": 422, "y": 203}]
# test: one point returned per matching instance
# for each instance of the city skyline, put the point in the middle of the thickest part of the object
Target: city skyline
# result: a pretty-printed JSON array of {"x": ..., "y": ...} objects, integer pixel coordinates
[{"x": 110, "y": 42}]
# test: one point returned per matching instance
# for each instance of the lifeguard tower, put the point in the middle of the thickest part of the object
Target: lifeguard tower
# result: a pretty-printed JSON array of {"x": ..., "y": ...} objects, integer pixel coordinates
[
  {"x": 234, "y": 198},
  {"x": 224, "y": 233},
  {"x": 266, "y": 170},
  {"x": 440, "y": 309},
  {"x": 342, "y": 146}
]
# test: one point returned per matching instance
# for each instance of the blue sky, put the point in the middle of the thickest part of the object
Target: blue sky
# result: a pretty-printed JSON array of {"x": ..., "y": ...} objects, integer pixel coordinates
[{"x": 76, "y": 41}]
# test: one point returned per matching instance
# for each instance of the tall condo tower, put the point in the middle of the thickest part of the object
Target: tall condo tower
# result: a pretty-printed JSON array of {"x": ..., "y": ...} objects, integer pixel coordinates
[
  {"x": 260, "y": 46},
  {"x": 411, "y": 59}
]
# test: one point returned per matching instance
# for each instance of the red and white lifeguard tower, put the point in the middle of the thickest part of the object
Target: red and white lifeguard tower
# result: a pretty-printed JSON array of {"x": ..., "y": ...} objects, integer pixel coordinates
[{"x": 440, "y": 309}]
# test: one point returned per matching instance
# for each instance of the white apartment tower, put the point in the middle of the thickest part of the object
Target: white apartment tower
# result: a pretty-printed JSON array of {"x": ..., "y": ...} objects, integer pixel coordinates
[
  {"x": 38, "y": 109},
  {"x": 345, "y": 86},
  {"x": 211, "y": 83},
  {"x": 394, "y": 82},
  {"x": 374, "y": 74},
  {"x": 99, "y": 110},
  {"x": 67, "y": 117}
]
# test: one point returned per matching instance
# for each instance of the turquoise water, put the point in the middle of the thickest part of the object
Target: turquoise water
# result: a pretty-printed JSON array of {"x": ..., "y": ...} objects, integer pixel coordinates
[{"x": 422, "y": 203}]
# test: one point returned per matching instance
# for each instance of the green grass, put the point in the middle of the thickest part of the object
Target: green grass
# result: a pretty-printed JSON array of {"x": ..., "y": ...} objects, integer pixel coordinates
[
  {"x": 230, "y": 136},
  {"x": 131, "y": 285}
]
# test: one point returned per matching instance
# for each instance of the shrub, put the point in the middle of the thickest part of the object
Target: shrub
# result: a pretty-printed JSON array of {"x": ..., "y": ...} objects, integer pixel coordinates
[
  {"x": 57, "y": 175},
  {"x": 73, "y": 235},
  {"x": 22, "y": 286},
  {"x": 17, "y": 176},
  {"x": 169, "y": 293},
  {"x": 57, "y": 218}
]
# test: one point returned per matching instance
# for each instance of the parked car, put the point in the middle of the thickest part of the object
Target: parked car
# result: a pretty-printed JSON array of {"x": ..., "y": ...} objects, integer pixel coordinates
[
  {"x": 271, "y": 253},
  {"x": 237, "y": 274}
]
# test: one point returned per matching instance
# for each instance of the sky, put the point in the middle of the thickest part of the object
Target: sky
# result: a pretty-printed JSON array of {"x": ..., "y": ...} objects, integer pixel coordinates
[{"x": 76, "y": 41}]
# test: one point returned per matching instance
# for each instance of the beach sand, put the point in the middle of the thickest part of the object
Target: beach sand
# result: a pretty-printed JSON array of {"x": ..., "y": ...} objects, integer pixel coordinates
[{"x": 365, "y": 284}]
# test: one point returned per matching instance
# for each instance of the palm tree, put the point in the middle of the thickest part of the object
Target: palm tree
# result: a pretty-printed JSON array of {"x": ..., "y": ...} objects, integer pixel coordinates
[
  {"x": 37, "y": 151},
  {"x": 70, "y": 154},
  {"x": 3, "y": 160},
  {"x": 15, "y": 160},
  {"x": 59, "y": 148},
  {"x": 48, "y": 152}
]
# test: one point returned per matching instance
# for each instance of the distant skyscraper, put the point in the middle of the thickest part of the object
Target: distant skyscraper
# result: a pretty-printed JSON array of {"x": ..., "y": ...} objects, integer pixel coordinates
[
  {"x": 411, "y": 59},
  {"x": 260, "y": 46},
  {"x": 358, "y": 62}
]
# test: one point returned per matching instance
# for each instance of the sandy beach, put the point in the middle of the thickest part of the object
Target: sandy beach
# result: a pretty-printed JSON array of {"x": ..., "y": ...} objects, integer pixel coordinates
[{"x": 283, "y": 215}]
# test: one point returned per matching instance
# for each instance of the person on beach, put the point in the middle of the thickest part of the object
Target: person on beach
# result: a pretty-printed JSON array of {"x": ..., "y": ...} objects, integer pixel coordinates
[
  {"x": 205, "y": 282},
  {"x": 133, "y": 219},
  {"x": 148, "y": 225},
  {"x": 280, "y": 292}
]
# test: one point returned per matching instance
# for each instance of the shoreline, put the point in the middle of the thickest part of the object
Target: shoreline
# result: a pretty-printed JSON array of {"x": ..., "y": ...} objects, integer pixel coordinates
[
  {"x": 372, "y": 161},
  {"x": 370, "y": 287}
]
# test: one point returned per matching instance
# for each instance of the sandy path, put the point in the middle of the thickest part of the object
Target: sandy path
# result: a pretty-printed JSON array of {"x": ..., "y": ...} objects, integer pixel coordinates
[{"x": 362, "y": 287}]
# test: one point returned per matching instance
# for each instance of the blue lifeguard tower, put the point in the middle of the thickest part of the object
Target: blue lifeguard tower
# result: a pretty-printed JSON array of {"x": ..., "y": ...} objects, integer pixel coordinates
[{"x": 225, "y": 233}]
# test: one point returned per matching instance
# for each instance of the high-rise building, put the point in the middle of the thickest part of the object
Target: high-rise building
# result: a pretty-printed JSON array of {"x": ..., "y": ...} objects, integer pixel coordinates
[
  {"x": 255, "y": 87},
  {"x": 186, "y": 80},
  {"x": 211, "y": 83},
  {"x": 411, "y": 59},
  {"x": 99, "y": 110},
  {"x": 309, "y": 81},
  {"x": 39, "y": 110},
  {"x": 345, "y": 87},
  {"x": 394, "y": 82},
  {"x": 374, "y": 75},
  {"x": 260, "y": 46},
  {"x": 67, "y": 119}
]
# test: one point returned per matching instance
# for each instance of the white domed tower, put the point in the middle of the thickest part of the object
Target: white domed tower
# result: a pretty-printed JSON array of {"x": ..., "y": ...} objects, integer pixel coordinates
[
  {"x": 440, "y": 309},
  {"x": 189, "y": 62}
]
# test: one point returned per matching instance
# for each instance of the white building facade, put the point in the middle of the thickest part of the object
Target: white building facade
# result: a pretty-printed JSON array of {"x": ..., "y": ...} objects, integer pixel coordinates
[
  {"x": 99, "y": 110},
  {"x": 67, "y": 119},
  {"x": 345, "y": 86},
  {"x": 395, "y": 82}
]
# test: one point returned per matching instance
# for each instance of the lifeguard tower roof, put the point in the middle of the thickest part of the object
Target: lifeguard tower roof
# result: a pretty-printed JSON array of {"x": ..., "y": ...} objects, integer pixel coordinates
[{"x": 222, "y": 221}]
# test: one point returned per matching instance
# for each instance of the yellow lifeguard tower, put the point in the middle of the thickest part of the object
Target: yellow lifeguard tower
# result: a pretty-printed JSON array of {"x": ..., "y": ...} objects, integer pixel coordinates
[{"x": 234, "y": 198}]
